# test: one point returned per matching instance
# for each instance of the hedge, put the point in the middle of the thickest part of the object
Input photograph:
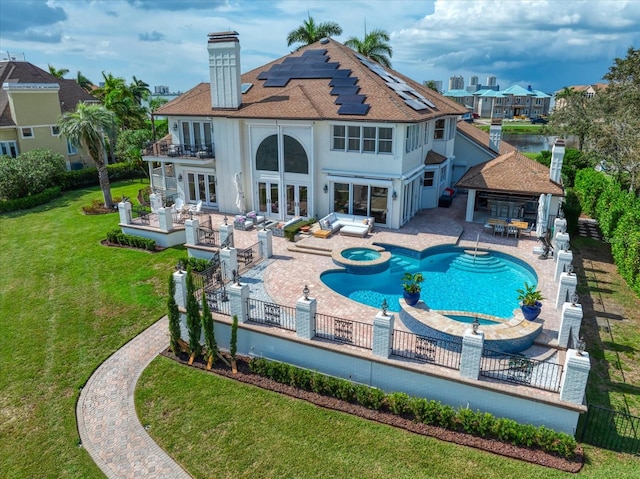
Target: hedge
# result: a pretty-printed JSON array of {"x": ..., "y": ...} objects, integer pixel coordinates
[
  {"x": 89, "y": 176},
  {"x": 429, "y": 412},
  {"x": 118, "y": 237},
  {"x": 30, "y": 201}
]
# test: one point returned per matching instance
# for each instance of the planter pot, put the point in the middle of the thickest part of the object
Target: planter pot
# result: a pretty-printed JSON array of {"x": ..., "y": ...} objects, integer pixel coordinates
[
  {"x": 411, "y": 298},
  {"x": 531, "y": 312}
]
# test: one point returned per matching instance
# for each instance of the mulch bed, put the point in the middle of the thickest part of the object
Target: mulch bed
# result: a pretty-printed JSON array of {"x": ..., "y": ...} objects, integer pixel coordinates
[{"x": 533, "y": 456}]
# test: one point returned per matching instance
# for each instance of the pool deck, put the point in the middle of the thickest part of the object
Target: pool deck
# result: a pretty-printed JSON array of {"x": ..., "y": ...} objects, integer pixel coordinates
[{"x": 296, "y": 264}]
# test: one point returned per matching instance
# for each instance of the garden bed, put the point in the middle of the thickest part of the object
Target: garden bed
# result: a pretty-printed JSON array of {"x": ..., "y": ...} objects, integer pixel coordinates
[{"x": 245, "y": 375}]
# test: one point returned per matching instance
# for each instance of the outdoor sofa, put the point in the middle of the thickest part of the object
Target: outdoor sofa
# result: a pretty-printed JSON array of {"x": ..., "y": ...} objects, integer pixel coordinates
[{"x": 348, "y": 225}]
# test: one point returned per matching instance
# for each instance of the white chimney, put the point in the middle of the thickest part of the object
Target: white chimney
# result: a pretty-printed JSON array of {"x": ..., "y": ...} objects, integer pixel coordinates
[
  {"x": 557, "y": 155},
  {"x": 495, "y": 134},
  {"x": 224, "y": 69}
]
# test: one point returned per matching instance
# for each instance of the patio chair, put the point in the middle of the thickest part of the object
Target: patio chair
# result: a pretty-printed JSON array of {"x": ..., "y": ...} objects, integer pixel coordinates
[
  {"x": 197, "y": 209},
  {"x": 512, "y": 230},
  {"x": 179, "y": 204},
  {"x": 498, "y": 228}
]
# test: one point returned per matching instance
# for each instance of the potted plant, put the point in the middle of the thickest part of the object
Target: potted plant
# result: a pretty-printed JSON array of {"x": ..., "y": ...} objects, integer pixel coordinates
[
  {"x": 411, "y": 286},
  {"x": 530, "y": 299}
]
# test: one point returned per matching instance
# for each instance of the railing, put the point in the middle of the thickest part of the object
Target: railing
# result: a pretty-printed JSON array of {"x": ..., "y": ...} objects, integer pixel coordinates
[
  {"x": 517, "y": 369},
  {"x": 163, "y": 148},
  {"x": 208, "y": 236},
  {"x": 248, "y": 257},
  {"x": 140, "y": 216},
  {"x": 213, "y": 277},
  {"x": 609, "y": 429},
  {"x": 344, "y": 331},
  {"x": 272, "y": 314},
  {"x": 164, "y": 183},
  {"x": 426, "y": 349},
  {"x": 218, "y": 300}
]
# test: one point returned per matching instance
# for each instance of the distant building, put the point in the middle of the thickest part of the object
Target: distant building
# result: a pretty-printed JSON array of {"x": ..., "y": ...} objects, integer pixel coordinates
[
  {"x": 491, "y": 80},
  {"x": 473, "y": 80},
  {"x": 456, "y": 83},
  {"x": 31, "y": 102},
  {"x": 161, "y": 90},
  {"x": 589, "y": 91},
  {"x": 436, "y": 83}
]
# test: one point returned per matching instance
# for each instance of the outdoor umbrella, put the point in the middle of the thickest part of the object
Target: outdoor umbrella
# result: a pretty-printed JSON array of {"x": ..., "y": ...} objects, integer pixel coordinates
[
  {"x": 240, "y": 195},
  {"x": 541, "y": 221}
]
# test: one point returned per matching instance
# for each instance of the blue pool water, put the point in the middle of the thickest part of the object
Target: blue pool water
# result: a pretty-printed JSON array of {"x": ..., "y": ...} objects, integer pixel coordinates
[
  {"x": 454, "y": 280},
  {"x": 360, "y": 254}
]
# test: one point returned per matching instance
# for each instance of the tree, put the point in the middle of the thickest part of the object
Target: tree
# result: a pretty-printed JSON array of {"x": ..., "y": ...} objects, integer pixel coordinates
[
  {"x": 209, "y": 334},
  {"x": 233, "y": 344},
  {"x": 174, "y": 318},
  {"x": 310, "y": 32},
  {"x": 431, "y": 84},
  {"x": 139, "y": 90},
  {"x": 30, "y": 173},
  {"x": 194, "y": 324},
  {"x": 573, "y": 115},
  {"x": 130, "y": 144},
  {"x": 58, "y": 73},
  {"x": 373, "y": 46},
  {"x": 84, "y": 82},
  {"x": 86, "y": 128},
  {"x": 155, "y": 103}
]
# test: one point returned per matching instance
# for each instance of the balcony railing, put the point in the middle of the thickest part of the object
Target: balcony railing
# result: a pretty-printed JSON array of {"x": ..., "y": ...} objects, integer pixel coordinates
[{"x": 180, "y": 150}]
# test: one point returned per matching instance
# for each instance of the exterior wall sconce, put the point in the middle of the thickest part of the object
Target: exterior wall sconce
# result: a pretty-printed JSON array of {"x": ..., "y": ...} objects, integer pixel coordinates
[
  {"x": 394, "y": 195},
  {"x": 175, "y": 127},
  {"x": 180, "y": 177},
  {"x": 325, "y": 188}
]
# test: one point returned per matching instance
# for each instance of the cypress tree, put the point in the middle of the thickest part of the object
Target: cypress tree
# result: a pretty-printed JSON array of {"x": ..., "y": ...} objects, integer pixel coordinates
[
  {"x": 174, "y": 317},
  {"x": 193, "y": 318},
  {"x": 233, "y": 346},
  {"x": 209, "y": 334}
]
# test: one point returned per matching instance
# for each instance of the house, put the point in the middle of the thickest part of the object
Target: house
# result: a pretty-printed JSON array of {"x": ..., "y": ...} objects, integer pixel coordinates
[
  {"x": 589, "y": 91},
  {"x": 515, "y": 101},
  {"x": 31, "y": 102},
  {"x": 322, "y": 129}
]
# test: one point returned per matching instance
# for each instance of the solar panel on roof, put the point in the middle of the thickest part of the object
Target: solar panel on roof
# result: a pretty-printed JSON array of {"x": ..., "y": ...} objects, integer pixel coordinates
[
  {"x": 349, "y": 81},
  {"x": 344, "y": 99},
  {"x": 405, "y": 96},
  {"x": 415, "y": 104},
  {"x": 353, "y": 109},
  {"x": 345, "y": 90}
]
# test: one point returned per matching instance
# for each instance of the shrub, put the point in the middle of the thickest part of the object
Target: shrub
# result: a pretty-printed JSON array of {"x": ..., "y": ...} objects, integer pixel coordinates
[
  {"x": 291, "y": 230},
  {"x": 30, "y": 201},
  {"x": 589, "y": 185},
  {"x": 30, "y": 173},
  {"x": 118, "y": 237},
  {"x": 86, "y": 177},
  {"x": 398, "y": 403}
]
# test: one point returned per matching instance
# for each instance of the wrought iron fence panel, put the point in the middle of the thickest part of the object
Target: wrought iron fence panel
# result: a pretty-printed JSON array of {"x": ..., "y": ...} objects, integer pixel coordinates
[
  {"x": 140, "y": 216},
  {"x": 272, "y": 314},
  {"x": 208, "y": 236},
  {"x": 426, "y": 349},
  {"x": 610, "y": 429},
  {"x": 178, "y": 218},
  {"x": 518, "y": 369},
  {"x": 248, "y": 257},
  {"x": 344, "y": 331},
  {"x": 218, "y": 300}
]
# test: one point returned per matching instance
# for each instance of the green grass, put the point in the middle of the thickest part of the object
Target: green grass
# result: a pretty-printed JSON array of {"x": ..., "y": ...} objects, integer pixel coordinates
[
  {"x": 521, "y": 127},
  {"x": 66, "y": 304}
]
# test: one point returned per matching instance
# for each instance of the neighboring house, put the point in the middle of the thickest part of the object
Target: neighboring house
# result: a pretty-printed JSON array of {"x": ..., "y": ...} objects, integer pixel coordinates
[
  {"x": 515, "y": 101},
  {"x": 589, "y": 91},
  {"x": 31, "y": 102},
  {"x": 322, "y": 129}
]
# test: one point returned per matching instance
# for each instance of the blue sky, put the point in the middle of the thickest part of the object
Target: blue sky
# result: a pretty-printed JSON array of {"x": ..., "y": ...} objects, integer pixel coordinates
[{"x": 545, "y": 44}]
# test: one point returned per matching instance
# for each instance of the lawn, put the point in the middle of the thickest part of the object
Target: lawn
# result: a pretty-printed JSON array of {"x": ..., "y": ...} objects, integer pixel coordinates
[
  {"x": 67, "y": 303},
  {"x": 518, "y": 126}
]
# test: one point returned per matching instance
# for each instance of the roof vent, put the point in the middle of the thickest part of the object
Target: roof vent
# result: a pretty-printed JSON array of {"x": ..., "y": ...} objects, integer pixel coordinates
[{"x": 324, "y": 40}]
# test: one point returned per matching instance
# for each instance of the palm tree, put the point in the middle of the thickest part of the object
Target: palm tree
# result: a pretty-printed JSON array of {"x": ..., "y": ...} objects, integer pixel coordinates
[
  {"x": 310, "y": 32},
  {"x": 139, "y": 90},
  {"x": 57, "y": 73},
  {"x": 84, "y": 82},
  {"x": 155, "y": 103},
  {"x": 374, "y": 46},
  {"x": 85, "y": 128}
]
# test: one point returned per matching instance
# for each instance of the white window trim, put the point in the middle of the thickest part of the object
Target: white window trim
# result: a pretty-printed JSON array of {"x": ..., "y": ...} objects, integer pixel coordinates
[
  {"x": 5, "y": 148},
  {"x": 71, "y": 150},
  {"x": 53, "y": 133},
  {"x": 361, "y": 140},
  {"x": 28, "y": 137}
]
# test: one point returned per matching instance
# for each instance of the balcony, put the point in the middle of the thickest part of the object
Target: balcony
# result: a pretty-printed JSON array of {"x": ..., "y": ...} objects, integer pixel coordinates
[{"x": 163, "y": 148}]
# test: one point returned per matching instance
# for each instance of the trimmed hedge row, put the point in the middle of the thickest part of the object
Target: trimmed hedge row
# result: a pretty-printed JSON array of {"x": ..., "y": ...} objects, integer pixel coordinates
[
  {"x": 30, "y": 201},
  {"x": 419, "y": 409},
  {"x": 118, "y": 237},
  {"x": 76, "y": 179},
  {"x": 291, "y": 230}
]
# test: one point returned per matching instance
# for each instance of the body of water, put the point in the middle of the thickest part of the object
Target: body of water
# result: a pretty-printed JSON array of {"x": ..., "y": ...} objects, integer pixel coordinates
[{"x": 535, "y": 143}]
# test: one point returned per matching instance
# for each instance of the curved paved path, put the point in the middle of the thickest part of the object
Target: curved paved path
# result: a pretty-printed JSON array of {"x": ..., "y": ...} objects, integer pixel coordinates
[{"x": 109, "y": 427}]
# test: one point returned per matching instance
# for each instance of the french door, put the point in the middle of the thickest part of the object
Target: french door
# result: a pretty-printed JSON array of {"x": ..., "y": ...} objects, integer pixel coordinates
[
  {"x": 268, "y": 200},
  {"x": 202, "y": 187},
  {"x": 297, "y": 200}
]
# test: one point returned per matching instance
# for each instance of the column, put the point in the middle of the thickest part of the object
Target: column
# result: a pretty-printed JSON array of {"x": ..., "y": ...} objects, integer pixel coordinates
[
  {"x": 570, "y": 324},
  {"x": 471, "y": 202},
  {"x": 180, "y": 281},
  {"x": 568, "y": 283},
  {"x": 560, "y": 225},
  {"x": 472, "y": 346},
  {"x": 156, "y": 202},
  {"x": 265, "y": 237},
  {"x": 226, "y": 232},
  {"x": 238, "y": 295},
  {"x": 165, "y": 219},
  {"x": 306, "y": 317},
  {"x": 191, "y": 231},
  {"x": 560, "y": 243},
  {"x": 382, "y": 334},
  {"x": 564, "y": 259},
  {"x": 229, "y": 261},
  {"x": 124, "y": 210},
  {"x": 574, "y": 380}
]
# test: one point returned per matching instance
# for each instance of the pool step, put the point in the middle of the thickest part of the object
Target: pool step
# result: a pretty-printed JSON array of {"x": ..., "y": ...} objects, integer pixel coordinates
[
  {"x": 302, "y": 248},
  {"x": 478, "y": 264},
  {"x": 400, "y": 265}
]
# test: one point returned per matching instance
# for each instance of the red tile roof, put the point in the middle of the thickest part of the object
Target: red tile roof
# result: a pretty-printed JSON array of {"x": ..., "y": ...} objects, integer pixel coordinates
[
  {"x": 311, "y": 99},
  {"x": 482, "y": 137}
]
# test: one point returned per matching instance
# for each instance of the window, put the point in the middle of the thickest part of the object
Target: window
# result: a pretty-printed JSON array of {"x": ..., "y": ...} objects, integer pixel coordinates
[
  {"x": 71, "y": 149},
  {"x": 438, "y": 134},
  {"x": 413, "y": 133},
  {"x": 427, "y": 137},
  {"x": 366, "y": 139},
  {"x": 27, "y": 132},
  {"x": 538, "y": 101},
  {"x": 294, "y": 156},
  {"x": 55, "y": 131},
  {"x": 443, "y": 173},
  {"x": 517, "y": 101},
  {"x": 428, "y": 178},
  {"x": 9, "y": 148},
  {"x": 267, "y": 154},
  {"x": 498, "y": 101}
]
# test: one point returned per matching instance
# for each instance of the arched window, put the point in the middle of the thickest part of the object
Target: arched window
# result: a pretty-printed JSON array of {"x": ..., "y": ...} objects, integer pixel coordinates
[
  {"x": 267, "y": 154},
  {"x": 295, "y": 158}
]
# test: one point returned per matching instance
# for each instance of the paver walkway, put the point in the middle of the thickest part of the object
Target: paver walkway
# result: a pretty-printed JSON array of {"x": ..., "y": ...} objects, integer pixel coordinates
[{"x": 107, "y": 419}]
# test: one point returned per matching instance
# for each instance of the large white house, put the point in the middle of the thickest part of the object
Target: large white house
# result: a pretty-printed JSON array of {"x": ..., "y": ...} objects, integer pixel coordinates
[{"x": 322, "y": 129}]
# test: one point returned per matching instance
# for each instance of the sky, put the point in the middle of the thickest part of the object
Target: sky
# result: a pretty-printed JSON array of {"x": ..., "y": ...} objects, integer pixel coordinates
[{"x": 546, "y": 44}]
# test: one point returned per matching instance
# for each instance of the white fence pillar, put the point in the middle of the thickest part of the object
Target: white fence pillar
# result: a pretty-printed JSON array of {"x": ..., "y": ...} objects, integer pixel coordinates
[
  {"x": 124, "y": 209},
  {"x": 382, "y": 334},
  {"x": 180, "y": 281},
  {"x": 560, "y": 225},
  {"x": 570, "y": 324},
  {"x": 566, "y": 289},
  {"x": 564, "y": 259},
  {"x": 472, "y": 346},
  {"x": 229, "y": 261},
  {"x": 560, "y": 243},
  {"x": 165, "y": 219},
  {"x": 226, "y": 232},
  {"x": 265, "y": 237},
  {"x": 574, "y": 380},
  {"x": 191, "y": 231},
  {"x": 156, "y": 202},
  {"x": 238, "y": 295},
  {"x": 306, "y": 317}
]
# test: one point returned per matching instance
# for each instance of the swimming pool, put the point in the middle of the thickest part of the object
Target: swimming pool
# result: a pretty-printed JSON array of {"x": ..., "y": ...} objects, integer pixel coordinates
[{"x": 455, "y": 280}]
